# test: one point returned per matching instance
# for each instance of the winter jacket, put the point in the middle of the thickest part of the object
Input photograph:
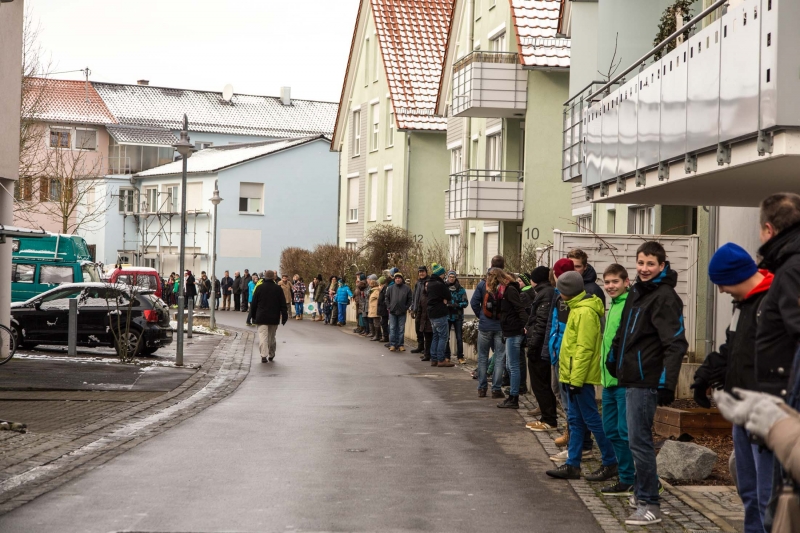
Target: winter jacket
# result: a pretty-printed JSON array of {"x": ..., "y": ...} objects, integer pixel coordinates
[
  {"x": 458, "y": 301},
  {"x": 579, "y": 358},
  {"x": 648, "y": 350},
  {"x": 784, "y": 441},
  {"x": 287, "y": 290},
  {"x": 559, "y": 313},
  {"x": 513, "y": 314},
  {"x": 733, "y": 365},
  {"x": 227, "y": 285},
  {"x": 204, "y": 285},
  {"x": 191, "y": 289},
  {"x": 613, "y": 319},
  {"x": 343, "y": 295},
  {"x": 590, "y": 283},
  {"x": 537, "y": 322},
  {"x": 362, "y": 294},
  {"x": 269, "y": 304},
  {"x": 299, "y": 292},
  {"x": 382, "y": 309},
  {"x": 217, "y": 292},
  {"x": 245, "y": 281},
  {"x": 319, "y": 291},
  {"x": 778, "y": 330},
  {"x": 237, "y": 285},
  {"x": 527, "y": 294},
  {"x": 398, "y": 299},
  {"x": 374, "y": 294},
  {"x": 418, "y": 288},
  {"x": 438, "y": 298},
  {"x": 251, "y": 287},
  {"x": 476, "y": 303},
  {"x": 422, "y": 315}
]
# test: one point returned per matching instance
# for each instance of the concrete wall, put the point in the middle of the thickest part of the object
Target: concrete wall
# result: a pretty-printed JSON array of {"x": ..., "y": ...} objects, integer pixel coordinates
[
  {"x": 428, "y": 179},
  {"x": 583, "y": 53}
]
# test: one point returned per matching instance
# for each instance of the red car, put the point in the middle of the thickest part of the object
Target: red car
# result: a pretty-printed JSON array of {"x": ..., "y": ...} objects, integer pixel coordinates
[{"x": 144, "y": 277}]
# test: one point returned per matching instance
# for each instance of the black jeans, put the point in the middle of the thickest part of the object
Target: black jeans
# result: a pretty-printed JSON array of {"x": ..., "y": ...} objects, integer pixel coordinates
[
  {"x": 428, "y": 339},
  {"x": 421, "y": 344},
  {"x": 385, "y": 327},
  {"x": 244, "y": 300},
  {"x": 540, "y": 384},
  {"x": 236, "y": 301},
  {"x": 523, "y": 371}
]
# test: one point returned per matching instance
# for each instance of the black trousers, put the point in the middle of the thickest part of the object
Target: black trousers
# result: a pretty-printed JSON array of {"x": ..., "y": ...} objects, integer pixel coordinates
[
  {"x": 385, "y": 327},
  {"x": 236, "y": 301},
  {"x": 421, "y": 343},
  {"x": 523, "y": 372},
  {"x": 540, "y": 384},
  {"x": 244, "y": 300},
  {"x": 427, "y": 337}
]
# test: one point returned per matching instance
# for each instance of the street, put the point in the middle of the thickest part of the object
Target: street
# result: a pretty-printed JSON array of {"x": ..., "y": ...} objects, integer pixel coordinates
[{"x": 332, "y": 436}]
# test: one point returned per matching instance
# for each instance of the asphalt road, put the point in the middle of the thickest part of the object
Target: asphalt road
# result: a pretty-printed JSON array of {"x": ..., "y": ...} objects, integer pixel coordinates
[{"x": 338, "y": 434}]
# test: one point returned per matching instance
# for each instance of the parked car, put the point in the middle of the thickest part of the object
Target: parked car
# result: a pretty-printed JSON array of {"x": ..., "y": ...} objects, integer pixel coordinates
[
  {"x": 142, "y": 277},
  {"x": 42, "y": 263},
  {"x": 103, "y": 312}
]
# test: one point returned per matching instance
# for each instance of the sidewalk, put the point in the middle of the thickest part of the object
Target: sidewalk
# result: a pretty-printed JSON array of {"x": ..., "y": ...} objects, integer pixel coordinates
[{"x": 75, "y": 426}]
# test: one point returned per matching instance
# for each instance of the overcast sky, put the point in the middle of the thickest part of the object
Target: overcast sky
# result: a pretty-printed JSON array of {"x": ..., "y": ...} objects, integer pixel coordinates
[{"x": 255, "y": 45}]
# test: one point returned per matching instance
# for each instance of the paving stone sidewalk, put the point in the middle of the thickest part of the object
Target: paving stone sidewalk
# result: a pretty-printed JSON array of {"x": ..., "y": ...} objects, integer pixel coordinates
[{"x": 73, "y": 432}]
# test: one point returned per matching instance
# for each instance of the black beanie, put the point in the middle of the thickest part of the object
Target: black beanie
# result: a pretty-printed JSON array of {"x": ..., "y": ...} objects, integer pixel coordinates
[{"x": 540, "y": 274}]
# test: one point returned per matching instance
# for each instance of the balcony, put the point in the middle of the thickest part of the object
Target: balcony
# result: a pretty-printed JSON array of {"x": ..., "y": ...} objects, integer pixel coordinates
[
  {"x": 572, "y": 142},
  {"x": 486, "y": 195},
  {"x": 489, "y": 85},
  {"x": 713, "y": 122}
]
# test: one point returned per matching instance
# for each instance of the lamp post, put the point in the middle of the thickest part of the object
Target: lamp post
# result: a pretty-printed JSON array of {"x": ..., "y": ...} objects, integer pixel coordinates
[
  {"x": 215, "y": 199},
  {"x": 185, "y": 148}
]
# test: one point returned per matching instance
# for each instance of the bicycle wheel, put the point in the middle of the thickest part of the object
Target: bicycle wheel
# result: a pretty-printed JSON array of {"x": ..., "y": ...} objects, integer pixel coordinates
[{"x": 8, "y": 344}]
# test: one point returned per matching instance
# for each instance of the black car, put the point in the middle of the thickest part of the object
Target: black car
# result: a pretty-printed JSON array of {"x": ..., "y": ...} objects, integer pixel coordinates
[{"x": 127, "y": 318}]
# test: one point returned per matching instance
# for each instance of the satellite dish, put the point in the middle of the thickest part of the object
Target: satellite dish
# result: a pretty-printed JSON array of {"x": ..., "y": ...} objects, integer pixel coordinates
[{"x": 227, "y": 92}]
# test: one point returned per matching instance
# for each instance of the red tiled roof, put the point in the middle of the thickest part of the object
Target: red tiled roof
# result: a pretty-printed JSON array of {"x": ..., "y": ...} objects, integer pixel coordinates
[
  {"x": 536, "y": 23},
  {"x": 413, "y": 39},
  {"x": 70, "y": 101}
]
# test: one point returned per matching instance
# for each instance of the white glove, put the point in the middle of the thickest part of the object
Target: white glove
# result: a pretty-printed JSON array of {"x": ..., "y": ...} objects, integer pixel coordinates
[
  {"x": 764, "y": 415},
  {"x": 737, "y": 411}
]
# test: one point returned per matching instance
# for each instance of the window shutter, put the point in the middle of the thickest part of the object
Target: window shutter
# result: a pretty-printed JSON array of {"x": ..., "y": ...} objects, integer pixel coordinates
[{"x": 44, "y": 189}]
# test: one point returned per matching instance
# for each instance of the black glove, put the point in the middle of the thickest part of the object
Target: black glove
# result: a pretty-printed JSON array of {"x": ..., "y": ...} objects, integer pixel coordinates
[
  {"x": 665, "y": 397},
  {"x": 700, "y": 387},
  {"x": 283, "y": 322},
  {"x": 573, "y": 392},
  {"x": 612, "y": 368}
]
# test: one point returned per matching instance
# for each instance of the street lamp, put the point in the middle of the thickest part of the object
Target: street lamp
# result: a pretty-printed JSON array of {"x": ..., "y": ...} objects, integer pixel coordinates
[
  {"x": 215, "y": 199},
  {"x": 185, "y": 148}
]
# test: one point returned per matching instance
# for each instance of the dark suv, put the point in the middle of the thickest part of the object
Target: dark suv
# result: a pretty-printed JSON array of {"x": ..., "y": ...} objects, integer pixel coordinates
[{"x": 103, "y": 312}]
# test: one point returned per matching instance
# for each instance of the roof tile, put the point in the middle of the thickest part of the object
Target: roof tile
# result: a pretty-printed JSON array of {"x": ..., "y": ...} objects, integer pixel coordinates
[
  {"x": 536, "y": 23},
  {"x": 71, "y": 101}
]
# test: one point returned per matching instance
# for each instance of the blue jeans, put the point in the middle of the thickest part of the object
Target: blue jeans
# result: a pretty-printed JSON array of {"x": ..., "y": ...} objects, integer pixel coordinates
[
  {"x": 587, "y": 436},
  {"x": 641, "y": 405},
  {"x": 203, "y": 300},
  {"x": 440, "y": 337},
  {"x": 397, "y": 328},
  {"x": 342, "y": 312},
  {"x": 298, "y": 308},
  {"x": 615, "y": 424},
  {"x": 493, "y": 340},
  {"x": 754, "y": 475},
  {"x": 513, "y": 347},
  {"x": 458, "y": 327},
  {"x": 583, "y": 415}
]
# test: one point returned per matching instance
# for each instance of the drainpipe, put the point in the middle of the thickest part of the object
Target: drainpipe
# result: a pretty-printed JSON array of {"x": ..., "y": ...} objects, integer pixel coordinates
[
  {"x": 408, "y": 176},
  {"x": 713, "y": 216}
]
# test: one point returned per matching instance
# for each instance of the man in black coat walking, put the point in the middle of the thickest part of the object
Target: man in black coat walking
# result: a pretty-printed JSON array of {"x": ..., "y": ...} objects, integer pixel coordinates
[
  {"x": 246, "y": 278},
  {"x": 226, "y": 283},
  {"x": 269, "y": 310},
  {"x": 237, "y": 290}
]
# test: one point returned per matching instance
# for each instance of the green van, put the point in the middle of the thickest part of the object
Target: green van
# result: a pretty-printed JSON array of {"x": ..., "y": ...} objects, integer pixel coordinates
[{"x": 42, "y": 263}]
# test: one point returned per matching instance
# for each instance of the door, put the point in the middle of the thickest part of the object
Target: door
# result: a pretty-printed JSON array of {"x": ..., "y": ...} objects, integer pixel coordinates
[
  {"x": 49, "y": 321},
  {"x": 94, "y": 305},
  {"x": 491, "y": 247}
]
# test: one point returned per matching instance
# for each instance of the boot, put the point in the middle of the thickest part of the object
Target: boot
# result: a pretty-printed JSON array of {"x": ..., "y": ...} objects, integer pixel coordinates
[
  {"x": 434, "y": 363},
  {"x": 512, "y": 402},
  {"x": 481, "y": 393},
  {"x": 563, "y": 440},
  {"x": 446, "y": 363}
]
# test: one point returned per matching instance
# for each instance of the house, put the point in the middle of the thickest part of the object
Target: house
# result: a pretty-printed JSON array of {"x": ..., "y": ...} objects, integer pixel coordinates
[
  {"x": 394, "y": 162},
  {"x": 276, "y": 194},
  {"x": 505, "y": 78}
]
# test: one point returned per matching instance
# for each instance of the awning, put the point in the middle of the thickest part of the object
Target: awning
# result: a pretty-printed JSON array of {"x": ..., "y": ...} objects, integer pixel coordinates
[{"x": 142, "y": 136}]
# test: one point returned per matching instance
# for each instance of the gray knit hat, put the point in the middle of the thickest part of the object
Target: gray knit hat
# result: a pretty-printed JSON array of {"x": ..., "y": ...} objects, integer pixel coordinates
[{"x": 570, "y": 284}]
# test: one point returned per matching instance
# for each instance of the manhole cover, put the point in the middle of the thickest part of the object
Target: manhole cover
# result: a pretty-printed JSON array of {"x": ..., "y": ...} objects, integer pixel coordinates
[{"x": 356, "y": 450}]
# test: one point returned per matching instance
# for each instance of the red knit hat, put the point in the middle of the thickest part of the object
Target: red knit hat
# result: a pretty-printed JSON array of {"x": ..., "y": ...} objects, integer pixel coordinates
[{"x": 563, "y": 265}]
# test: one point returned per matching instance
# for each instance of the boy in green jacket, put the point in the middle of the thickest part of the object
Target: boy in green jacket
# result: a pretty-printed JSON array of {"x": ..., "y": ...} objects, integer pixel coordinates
[
  {"x": 579, "y": 372},
  {"x": 615, "y": 424}
]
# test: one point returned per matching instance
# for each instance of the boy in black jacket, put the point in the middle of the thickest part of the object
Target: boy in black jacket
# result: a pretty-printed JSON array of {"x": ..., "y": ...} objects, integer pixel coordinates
[
  {"x": 646, "y": 357},
  {"x": 536, "y": 331}
]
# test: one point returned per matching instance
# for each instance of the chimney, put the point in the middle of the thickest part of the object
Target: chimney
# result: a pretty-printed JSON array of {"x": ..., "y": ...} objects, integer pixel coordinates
[
  {"x": 142, "y": 82},
  {"x": 286, "y": 95}
]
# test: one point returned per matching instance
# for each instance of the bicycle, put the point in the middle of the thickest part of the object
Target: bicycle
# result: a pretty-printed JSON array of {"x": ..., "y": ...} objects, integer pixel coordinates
[{"x": 7, "y": 340}]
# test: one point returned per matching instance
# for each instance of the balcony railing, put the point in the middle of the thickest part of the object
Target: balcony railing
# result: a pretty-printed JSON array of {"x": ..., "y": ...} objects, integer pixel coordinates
[
  {"x": 486, "y": 195},
  {"x": 489, "y": 85},
  {"x": 572, "y": 162}
]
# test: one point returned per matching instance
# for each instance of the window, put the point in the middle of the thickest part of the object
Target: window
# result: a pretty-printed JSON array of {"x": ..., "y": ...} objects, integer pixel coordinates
[
  {"x": 474, "y": 154},
  {"x": 173, "y": 199},
  {"x": 350, "y": 246},
  {"x": 389, "y": 125},
  {"x": 250, "y": 197},
  {"x": 23, "y": 189},
  {"x": 373, "y": 141},
  {"x": 53, "y": 275},
  {"x": 494, "y": 153},
  {"x": 455, "y": 251},
  {"x": 356, "y": 133},
  {"x": 388, "y": 189},
  {"x": 583, "y": 223},
  {"x": 151, "y": 199},
  {"x": 194, "y": 196},
  {"x": 366, "y": 63},
  {"x": 373, "y": 196},
  {"x": 85, "y": 139},
  {"x": 54, "y": 190},
  {"x": 352, "y": 200},
  {"x": 202, "y": 145},
  {"x": 375, "y": 55},
  {"x": 644, "y": 219},
  {"x": 456, "y": 163},
  {"x": 126, "y": 203},
  {"x": 22, "y": 273},
  {"x": 60, "y": 138},
  {"x": 611, "y": 222},
  {"x": 91, "y": 196},
  {"x": 498, "y": 44}
]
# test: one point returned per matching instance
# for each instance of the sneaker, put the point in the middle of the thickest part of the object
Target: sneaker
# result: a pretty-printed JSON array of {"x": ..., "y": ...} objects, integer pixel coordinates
[
  {"x": 481, "y": 393},
  {"x": 446, "y": 363},
  {"x": 604, "y": 473},
  {"x": 633, "y": 501},
  {"x": 402, "y": 348},
  {"x": 565, "y": 472},
  {"x": 271, "y": 357},
  {"x": 461, "y": 360},
  {"x": 535, "y": 412},
  {"x": 645, "y": 515},
  {"x": 563, "y": 455},
  {"x": 540, "y": 426},
  {"x": 263, "y": 359},
  {"x": 618, "y": 489},
  {"x": 563, "y": 440},
  {"x": 391, "y": 348}
]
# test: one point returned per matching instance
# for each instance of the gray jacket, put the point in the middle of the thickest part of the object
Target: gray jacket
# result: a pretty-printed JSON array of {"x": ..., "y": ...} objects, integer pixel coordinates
[
  {"x": 398, "y": 299},
  {"x": 418, "y": 288}
]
